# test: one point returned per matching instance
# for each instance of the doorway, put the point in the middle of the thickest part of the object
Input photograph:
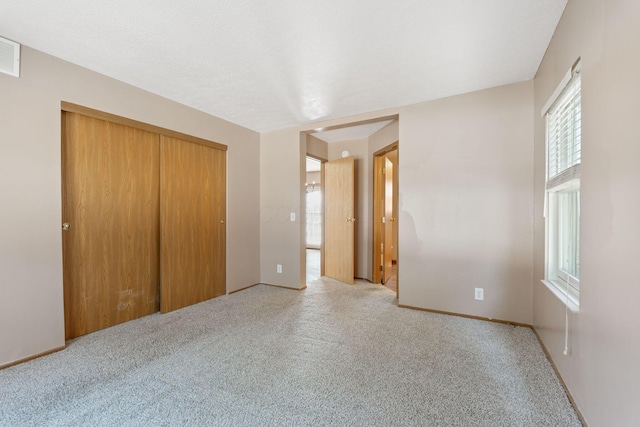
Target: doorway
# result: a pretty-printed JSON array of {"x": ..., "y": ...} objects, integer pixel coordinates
[
  {"x": 359, "y": 140},
  {"x": 385, "y": 214},
  {"x": 314, "y": 218}
]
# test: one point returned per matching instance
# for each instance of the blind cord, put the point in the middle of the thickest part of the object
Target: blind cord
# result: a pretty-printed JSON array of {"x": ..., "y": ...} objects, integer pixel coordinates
[{"x": 566, "y": 318}]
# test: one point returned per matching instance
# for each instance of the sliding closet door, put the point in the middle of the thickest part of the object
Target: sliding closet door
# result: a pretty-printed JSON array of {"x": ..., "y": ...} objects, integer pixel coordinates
[
  {"x": 111, "y": 216},
  {"x": 192, "y": 217}
]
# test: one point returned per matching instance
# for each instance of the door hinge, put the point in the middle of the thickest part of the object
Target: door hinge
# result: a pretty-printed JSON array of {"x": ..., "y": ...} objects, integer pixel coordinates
[{"x": 381, "y": 268}]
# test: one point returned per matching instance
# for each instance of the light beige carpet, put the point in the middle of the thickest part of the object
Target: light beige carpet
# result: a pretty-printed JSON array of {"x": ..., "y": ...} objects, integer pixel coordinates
[{"x": 333, "y": 355}]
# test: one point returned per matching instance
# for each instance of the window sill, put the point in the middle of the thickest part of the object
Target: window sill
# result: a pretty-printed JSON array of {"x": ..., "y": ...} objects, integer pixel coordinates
[{"x": 571, "y": 303}]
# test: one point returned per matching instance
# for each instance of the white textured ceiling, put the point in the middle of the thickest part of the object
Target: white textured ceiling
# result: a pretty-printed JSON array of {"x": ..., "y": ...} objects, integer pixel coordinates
[{"x": 273, "y": 64}]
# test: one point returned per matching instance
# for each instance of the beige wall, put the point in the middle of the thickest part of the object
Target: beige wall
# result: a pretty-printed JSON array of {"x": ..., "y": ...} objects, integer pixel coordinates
[
  {"x": 317, "y": 148},
  {"x": 383, "y": 138},
  {"x": 466, "y": 181},
  {"x": 466, "y": 200},
  {"x": 282, "y": 178},
  {"x": 602, "y": 370},
  {"x": 31, "y": 302}
]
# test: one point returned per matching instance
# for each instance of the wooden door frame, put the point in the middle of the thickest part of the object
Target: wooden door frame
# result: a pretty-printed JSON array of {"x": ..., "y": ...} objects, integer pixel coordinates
[
  {"x": 101, "y": 115},
  {"x": 378, "y": 207}
]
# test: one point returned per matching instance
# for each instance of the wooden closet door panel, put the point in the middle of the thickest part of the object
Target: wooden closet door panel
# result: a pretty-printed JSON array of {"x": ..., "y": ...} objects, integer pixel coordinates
[
  {"x": 192, "y": 217},
  {"x": 111, "y": 201}
]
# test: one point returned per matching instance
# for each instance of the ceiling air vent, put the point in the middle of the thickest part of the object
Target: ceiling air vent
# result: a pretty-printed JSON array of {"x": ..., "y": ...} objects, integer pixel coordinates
[{"x": 9, "y": 57}]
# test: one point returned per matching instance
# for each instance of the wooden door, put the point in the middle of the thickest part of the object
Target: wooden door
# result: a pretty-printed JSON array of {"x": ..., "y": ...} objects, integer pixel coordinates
[
  {"x": 110, "y": 201},
  {"x": 378, "y": 215},
  {"x": 339, "y": 244},
  {"x": 388, "y": 221},
  {"x": 385, "y": 207},
  {"x": 192, "y": 217}
]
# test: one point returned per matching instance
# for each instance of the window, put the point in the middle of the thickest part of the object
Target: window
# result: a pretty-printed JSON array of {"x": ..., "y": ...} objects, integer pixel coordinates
[{"x": 563, "y": 120}]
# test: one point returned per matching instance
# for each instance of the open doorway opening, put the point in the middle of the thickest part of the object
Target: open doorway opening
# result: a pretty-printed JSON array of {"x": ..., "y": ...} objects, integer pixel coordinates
[
  {"x": 358, "y": 141},
  {"x": 314, "y": 218},
  {"x": 385, "y": 212}
]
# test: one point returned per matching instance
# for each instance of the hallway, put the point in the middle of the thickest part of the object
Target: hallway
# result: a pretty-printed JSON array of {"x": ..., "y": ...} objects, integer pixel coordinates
[
  {"x": 313, "y": 264},
  {"x": 392, "y": 283}
]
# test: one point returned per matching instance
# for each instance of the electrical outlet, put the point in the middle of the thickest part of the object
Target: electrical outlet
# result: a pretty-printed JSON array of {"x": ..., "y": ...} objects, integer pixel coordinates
[
  {"x": 292, "y": 217},
  {"x": 278, "y": 268},
  {"x": 480, "y": 294}
]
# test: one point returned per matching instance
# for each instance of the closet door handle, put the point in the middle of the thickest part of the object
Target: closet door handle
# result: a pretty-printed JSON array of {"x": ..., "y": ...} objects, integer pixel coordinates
[{"x": 66, "y": 226}]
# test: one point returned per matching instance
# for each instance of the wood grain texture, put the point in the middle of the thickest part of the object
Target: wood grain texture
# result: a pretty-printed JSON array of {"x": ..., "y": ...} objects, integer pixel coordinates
[
  {"x": 112, "y": 118},
  {"x": 110, "y": 198},
  {"x": 323, "y": 238},
  {"x": 340, "y": 219},
  {"x": 192, "y": 216},
  {"x": 388, "y": 224},
  {"x": 378, "y": 213},
  {"x": 385, "y": 204}
]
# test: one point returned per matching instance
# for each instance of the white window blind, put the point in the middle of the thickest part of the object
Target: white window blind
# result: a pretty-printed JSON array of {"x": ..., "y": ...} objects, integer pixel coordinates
[
  {"x": 564, "y": 143},
  {"x": 564, "y": 135}
]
